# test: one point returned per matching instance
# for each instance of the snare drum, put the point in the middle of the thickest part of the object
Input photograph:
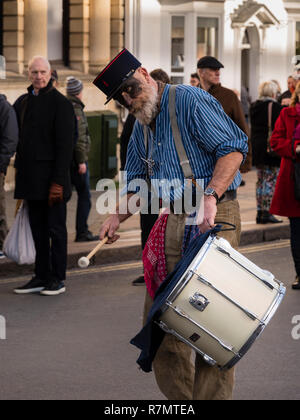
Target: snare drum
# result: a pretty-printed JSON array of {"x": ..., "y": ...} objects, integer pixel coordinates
[{"x": 221, "y": 304}]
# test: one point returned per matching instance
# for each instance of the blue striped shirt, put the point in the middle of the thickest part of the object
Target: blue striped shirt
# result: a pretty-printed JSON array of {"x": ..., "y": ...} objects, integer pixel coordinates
[{"x": 207, "y": 134}]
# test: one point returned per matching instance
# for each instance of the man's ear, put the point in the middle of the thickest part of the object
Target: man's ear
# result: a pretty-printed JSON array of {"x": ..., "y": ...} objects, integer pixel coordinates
[{"x": 144, "y": 73}]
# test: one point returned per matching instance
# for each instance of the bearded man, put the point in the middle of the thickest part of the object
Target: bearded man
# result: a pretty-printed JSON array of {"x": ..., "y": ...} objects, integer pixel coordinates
[{"x": 215, "y": 148}]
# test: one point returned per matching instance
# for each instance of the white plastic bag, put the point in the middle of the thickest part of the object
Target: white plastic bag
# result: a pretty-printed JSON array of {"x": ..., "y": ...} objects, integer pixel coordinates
[{"x": 19, "y": 244}]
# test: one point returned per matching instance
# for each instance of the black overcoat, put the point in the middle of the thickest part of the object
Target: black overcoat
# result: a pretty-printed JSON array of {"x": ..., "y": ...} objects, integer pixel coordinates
[
  {"x": 46, "y": 143},
  {"x": 259, "y": 132}
]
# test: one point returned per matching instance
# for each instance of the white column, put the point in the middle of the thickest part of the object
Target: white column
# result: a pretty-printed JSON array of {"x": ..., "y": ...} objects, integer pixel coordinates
[
  {"x": 100, "y": 28},
  {"x": 35, "y": 28}
]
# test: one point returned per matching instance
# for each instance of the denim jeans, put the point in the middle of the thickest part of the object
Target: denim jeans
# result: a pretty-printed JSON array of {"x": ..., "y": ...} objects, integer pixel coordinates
[
  {"x": 295, "y": 242},
  {"x": 82, "y": 186}
]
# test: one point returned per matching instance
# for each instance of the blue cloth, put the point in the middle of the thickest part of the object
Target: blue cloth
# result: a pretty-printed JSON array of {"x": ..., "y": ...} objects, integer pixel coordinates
[
  {"x": 151, "y": 336},
  {"x": 207, "y": 134}
]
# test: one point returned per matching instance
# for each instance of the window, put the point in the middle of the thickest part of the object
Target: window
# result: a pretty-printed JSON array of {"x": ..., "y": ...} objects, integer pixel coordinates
[
  {"x": 298, "y": 38},
  {"x": 178, "y": 50},
  {"x": 207, "y": 34}
]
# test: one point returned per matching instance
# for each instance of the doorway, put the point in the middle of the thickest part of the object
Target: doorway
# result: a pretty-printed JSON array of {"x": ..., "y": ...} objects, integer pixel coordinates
[
  {"x": 250, "y": 65},
  {"x": 58, "y": 32}
]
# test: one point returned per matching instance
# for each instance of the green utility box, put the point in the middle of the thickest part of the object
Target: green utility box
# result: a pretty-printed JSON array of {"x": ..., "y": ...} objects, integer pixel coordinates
[{"x": 103, "y": 128}]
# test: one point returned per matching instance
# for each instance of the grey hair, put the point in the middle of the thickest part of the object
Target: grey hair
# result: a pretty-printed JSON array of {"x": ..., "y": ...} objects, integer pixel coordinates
[
  {"x": 38, "y": 57},
  {"x": 268, "y": 89}
]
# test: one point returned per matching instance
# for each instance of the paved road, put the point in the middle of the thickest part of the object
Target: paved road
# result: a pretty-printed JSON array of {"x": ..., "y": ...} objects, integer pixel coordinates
[{"x": 76, "y": 346}]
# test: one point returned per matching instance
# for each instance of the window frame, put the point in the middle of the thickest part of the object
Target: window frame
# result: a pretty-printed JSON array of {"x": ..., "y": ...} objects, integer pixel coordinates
[{"x": 191, "y": 27}]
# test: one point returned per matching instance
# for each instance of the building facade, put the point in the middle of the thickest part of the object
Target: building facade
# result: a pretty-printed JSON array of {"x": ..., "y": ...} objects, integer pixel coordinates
[
  {"x": 255, "y": 39},
  {"x": 77, "y": 36},
  {"x": 81, "y": 34}
]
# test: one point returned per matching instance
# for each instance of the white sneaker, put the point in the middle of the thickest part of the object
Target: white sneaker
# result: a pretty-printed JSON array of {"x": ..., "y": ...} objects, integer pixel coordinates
[
  {"x": 54, "y": 289},
  {"x": 2, "y": 255}
]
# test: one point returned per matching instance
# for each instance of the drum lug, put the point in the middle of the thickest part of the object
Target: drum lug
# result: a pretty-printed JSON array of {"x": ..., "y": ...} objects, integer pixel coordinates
[{"x": 199, "y": 302}]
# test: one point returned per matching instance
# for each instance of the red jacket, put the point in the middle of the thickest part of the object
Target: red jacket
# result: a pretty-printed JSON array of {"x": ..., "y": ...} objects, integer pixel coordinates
[{"x": 284, "y": 201}]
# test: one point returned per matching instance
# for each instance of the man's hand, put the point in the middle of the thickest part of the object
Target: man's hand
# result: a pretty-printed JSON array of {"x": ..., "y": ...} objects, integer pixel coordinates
[
  {"x": 298, "y": 150},
  {"x": 56, "y": 194},
  {"x": 207, "y": 222},
  {"x": 109, "y": 228},
  {"x": 82, "y": 168}
]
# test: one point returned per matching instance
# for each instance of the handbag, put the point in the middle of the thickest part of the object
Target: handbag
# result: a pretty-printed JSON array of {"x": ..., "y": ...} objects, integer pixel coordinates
[
  {"x": 297, "y": 172},
  {"x": 19, "y": 245},
  {"x": 270, "y": 151}
]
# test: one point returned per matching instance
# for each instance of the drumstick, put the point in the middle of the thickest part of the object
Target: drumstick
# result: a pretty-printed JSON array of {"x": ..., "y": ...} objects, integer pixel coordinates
[{"x": 84, "y": 262}]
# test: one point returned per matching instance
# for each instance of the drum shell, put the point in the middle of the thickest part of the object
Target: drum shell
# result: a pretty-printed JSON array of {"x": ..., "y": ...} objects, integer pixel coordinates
[{"x": 227, "y": 326}]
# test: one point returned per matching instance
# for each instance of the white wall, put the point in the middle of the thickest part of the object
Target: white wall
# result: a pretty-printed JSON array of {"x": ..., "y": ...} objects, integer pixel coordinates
[
  {"x": 150, "y": 38},
  {"x": 149, "y": 32}
]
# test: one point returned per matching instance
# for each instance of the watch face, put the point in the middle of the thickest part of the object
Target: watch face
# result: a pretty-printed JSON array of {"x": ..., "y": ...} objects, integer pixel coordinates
[{"x": 211, "y": 192}]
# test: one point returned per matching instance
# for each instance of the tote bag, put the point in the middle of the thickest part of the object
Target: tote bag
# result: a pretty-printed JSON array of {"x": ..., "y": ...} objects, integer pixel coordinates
[{"x": 19, "y": 245}]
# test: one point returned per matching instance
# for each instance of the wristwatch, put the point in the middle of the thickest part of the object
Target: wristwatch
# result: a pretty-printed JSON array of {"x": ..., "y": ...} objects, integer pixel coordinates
[{"x": 210, "y": 192}]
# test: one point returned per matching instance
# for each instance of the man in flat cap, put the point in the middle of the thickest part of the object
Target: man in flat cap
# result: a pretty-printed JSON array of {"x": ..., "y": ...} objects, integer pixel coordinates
[
  {"x": 215, "y": 148},
  {"x": 209, "y": 70}
]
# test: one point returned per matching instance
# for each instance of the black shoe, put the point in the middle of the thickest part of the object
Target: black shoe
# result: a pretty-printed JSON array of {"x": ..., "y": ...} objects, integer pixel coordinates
[
  {"x": 296, "y": 285},
  {"x": 269, "y": 218},
  {"x": 258, "y": 217},
  {"x": 54, "y": 289},
  {"x": 139, "y": 281},
  {"x": 243, "y": 183},
  {"x": 87, "y": 237},
  {"x": 34, "y": 286}
]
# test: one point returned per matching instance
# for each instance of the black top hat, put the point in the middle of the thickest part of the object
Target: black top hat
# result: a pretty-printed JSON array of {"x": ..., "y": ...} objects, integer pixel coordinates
[
  {"x": 209, "y": 63},
  {"x": 118, "y": 71}
]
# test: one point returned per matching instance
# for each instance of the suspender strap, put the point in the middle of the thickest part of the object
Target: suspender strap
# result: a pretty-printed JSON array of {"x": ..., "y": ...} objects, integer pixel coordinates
[{"x": 184, "y": 161}]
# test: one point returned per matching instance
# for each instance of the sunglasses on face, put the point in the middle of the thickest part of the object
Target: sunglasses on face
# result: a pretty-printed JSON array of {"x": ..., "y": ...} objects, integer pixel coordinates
[{"x": 132, "y": 87}]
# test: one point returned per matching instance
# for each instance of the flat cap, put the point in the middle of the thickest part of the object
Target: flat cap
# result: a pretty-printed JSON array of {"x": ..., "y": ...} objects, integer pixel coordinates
[{"x": 209, "y": 63}]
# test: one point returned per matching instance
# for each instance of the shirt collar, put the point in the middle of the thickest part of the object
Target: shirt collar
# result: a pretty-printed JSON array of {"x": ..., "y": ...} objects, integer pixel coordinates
[{"x": 161, "y": 91}]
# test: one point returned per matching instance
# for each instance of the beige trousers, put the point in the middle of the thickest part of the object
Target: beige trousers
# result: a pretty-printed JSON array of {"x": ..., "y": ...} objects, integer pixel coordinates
[{"x": 178, "y": 377}]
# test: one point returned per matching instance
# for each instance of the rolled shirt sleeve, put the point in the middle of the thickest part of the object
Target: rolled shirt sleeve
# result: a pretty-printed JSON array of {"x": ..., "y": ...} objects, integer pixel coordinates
[{"x": 215, "y": 131}]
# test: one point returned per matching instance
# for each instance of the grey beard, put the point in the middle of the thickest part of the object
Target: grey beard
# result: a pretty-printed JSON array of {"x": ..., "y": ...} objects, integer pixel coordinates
[{"x": 148, "y": 112}]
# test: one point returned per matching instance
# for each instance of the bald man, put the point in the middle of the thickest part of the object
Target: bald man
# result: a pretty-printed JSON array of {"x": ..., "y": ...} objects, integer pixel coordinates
[{"x": 44, "y": 154}]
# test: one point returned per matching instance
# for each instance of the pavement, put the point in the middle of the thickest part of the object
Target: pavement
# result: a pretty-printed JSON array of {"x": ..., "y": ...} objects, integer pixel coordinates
[
  {"x": 128, "y": 248},
  {"x": 77, "y": 345}
]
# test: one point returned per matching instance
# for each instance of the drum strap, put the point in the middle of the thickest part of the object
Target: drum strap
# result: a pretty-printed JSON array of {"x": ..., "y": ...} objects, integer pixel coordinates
[
  {"x": 184, "y": 160},
  {"x": 231, "y": 228}
]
